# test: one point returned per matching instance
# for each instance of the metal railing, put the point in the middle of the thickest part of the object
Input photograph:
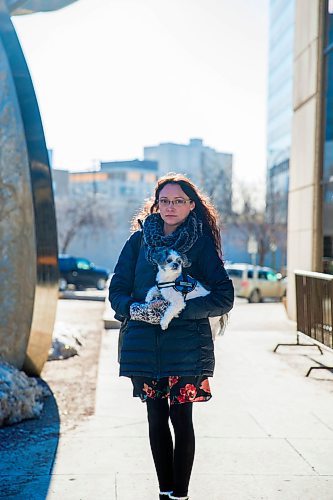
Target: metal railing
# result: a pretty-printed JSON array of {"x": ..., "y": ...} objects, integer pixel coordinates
[{"x": 314, "y": 308}]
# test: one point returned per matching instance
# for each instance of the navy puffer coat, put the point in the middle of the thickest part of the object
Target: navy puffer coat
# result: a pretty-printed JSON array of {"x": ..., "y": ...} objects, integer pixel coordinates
[{"x": 186, "y": 347}]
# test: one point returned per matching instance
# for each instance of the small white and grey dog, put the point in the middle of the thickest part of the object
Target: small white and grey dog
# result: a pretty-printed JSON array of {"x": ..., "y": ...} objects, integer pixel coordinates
[{"x": 171, "y": 285}]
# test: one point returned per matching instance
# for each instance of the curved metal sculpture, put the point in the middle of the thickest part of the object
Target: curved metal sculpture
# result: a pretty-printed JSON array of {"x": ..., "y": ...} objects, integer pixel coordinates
[{"x": 28, "y": 238}]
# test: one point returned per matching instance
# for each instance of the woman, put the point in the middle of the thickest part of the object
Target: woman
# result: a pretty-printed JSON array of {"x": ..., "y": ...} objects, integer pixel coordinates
[{"x": 169, "y": 369}]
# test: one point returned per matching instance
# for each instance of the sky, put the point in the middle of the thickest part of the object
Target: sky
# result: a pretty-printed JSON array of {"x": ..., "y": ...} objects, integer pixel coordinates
[{"x": 113, "y": 76}]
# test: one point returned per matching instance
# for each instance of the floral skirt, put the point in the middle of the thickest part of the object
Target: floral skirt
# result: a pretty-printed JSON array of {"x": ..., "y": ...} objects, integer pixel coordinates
[{"x": 178, "y": 389}]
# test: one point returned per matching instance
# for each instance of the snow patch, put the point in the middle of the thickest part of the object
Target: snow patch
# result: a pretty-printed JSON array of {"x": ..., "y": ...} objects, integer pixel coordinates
[
  {"x": 66, "y": 341},
  {"x": 21, "y": 397}
]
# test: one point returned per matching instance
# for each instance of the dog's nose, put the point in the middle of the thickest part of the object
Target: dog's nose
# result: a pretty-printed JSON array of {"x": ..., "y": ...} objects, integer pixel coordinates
[{"x": 175, "y": 265}]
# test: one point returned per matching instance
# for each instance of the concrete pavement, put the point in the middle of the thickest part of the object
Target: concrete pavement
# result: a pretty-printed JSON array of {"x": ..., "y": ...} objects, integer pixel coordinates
[{"x": 267, "y": 433}]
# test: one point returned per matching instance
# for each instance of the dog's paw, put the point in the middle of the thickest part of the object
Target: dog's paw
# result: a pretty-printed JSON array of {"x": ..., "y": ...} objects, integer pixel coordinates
[
  {"x": 149, "y": 296},
  {"x": 152, "y": 294}
]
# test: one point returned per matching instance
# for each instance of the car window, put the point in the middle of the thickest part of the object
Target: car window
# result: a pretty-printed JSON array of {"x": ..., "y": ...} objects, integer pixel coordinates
[
  {"x": 250, "y": 274},
  {"x": 262, "y": 275},
  {"x": 271, "y": 276},
  {"x": 235, "y": 273},
  {"x": 83, "y": 264}
]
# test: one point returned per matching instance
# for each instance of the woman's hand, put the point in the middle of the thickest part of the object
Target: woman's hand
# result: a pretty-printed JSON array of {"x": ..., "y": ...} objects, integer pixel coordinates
[{"x": 150, "y": 312}]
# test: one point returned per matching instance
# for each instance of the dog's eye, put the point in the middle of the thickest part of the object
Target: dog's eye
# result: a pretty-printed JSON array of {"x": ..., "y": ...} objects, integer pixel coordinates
[{"x": 169, "y": 259}]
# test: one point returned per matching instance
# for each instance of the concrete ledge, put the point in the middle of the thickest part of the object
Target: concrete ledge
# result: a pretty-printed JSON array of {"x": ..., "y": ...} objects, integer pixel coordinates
[{"x": 108, "y": 317}]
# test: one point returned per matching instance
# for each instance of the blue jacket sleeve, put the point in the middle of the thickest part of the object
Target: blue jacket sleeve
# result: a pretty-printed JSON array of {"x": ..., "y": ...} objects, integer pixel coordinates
[
  {"x": 121, "y": 285},
  {"x": 221, "y": 297}
]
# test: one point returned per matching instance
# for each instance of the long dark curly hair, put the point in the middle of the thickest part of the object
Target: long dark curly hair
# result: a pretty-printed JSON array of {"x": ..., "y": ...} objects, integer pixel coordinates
[{"x": 204, "y": 208}]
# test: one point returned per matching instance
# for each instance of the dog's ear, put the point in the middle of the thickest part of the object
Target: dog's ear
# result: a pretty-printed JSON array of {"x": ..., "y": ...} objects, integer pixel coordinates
[
  {"x": 159, "y": 255},
  {"x": 186, "y": 261}
]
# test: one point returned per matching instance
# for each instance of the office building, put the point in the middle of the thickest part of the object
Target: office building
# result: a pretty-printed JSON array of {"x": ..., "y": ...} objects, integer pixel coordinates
[
  {"x": 327, "y": 175},
  {"x": 310, "y": 210},
  {"x": 120, "y": 181},
  {"x": 120, "y": 188},
  {"x": 208, "y": 168},
  {"x": 279, "y": 121}
]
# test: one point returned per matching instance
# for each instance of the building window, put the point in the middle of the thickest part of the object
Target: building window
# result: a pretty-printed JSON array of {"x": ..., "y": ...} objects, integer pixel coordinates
[
  {"x": 329, "y": 25},
  {"x": 151, "y": 178},
  {"x": 117, "y": 176},
  {"x": 134, "y": 176},
  {"x": 328, "y": 143}
]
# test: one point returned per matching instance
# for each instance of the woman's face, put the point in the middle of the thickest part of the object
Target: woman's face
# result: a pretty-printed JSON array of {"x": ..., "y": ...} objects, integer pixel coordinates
[{"x": 174, "y": 214}]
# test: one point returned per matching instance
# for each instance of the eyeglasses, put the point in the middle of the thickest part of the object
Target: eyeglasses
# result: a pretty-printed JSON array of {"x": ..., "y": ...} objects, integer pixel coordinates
[{"x": 179, "y": 202}]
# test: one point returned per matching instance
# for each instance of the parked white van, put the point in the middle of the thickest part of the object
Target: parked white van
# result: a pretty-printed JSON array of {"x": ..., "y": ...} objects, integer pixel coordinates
[{"x": 256, "y": 283}]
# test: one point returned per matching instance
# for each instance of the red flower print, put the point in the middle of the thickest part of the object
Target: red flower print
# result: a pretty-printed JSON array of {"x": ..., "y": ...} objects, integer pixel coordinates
[
  {"x": 149, "y": 391},
  {"x": 181, "y": 399},
  {"x": 173, "y": 381},
  {"x": 205, "y": 385},
  {"x": 188, "y": 393},
  {"x": 200, "y": 398}
]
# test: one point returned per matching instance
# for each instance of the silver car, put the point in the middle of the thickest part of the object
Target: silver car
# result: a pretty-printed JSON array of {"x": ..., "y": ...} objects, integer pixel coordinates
[{"x": 256, "y": 283}]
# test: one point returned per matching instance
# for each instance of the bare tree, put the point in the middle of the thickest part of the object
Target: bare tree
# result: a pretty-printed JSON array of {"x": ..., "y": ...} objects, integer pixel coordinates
[
  {"x": 82, "y": 216},
  {"x": 250, "y": 221},
  {"x": 217, "y": 185}
]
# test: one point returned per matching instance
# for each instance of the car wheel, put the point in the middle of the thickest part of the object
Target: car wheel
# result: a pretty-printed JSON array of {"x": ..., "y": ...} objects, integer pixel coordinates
[
  {"x": 255, "y": 297},
  {"x": 62, "y": 284},
  {"x": 100, "y": 285}
]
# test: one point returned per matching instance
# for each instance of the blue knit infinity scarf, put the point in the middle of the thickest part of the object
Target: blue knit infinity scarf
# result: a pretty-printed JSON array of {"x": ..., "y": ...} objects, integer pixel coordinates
[{"x": 181, "y": 240}]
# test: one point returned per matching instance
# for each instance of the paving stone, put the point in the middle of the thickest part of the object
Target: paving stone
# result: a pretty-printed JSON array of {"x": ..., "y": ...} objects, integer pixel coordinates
[
  {"x": 317, "y": 452},
  {"x": 66, "y": 487}
]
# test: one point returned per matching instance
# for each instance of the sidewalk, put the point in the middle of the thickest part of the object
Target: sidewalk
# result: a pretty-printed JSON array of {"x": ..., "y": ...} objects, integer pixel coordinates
[{"x": 267, "y": 433}]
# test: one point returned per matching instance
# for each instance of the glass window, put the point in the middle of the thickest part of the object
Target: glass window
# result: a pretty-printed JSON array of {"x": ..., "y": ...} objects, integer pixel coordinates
[
  {"x": 329, "y": 23},
  {"x": 280, "y": 116},
  {"x": 279, "y": 125},
  {"x": 271, "y": 276},
  {"x": 328, "y": 246},
  {"x": 262, "y": 275},
  {"x": 83, "y": 264},
  {"x": 328, "y": 266},
  {"x": 328, "y": 211},
  {"x": 250, "y": 274},
  {"x": 236, "y": 273},
  {"x": 328, "y": 146},
  {"x": 281, "y": 47},
  {"x": 282, "y": 96},
  {"x": 281, "y": 15},
  {"x": 328, "y": 193},
  {"x": 282, "y": 143},
  {"x": 119, "y": 176}
]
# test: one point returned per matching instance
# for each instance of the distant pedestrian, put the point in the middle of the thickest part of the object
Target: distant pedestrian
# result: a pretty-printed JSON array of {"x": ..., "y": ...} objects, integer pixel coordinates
[{"x": 169, "y": 368}]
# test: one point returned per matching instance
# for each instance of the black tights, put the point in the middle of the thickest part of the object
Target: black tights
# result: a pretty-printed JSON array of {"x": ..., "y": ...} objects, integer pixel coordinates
[{"x": 173, "y": 466}]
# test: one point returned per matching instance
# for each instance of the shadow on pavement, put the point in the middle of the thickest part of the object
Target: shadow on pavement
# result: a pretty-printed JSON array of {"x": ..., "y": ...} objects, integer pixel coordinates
[{"x": 27, "y": 453}]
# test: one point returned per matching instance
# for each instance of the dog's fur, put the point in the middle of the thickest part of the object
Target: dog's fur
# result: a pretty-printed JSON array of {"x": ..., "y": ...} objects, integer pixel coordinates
[{"x": 170, "y": 265}]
